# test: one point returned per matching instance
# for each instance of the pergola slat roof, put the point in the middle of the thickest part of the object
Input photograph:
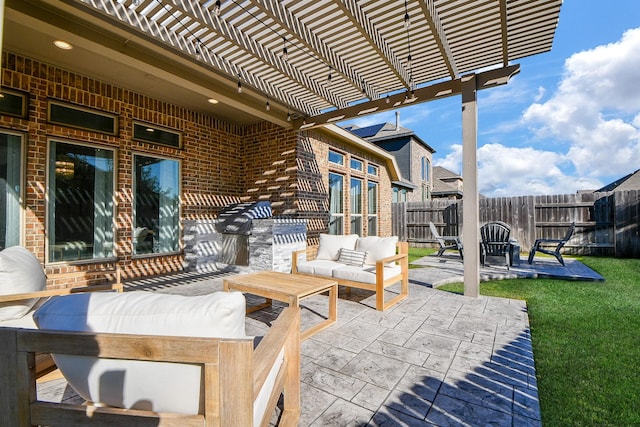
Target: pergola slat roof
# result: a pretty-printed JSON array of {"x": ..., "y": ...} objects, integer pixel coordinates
[{"x": 364, "y": 45}]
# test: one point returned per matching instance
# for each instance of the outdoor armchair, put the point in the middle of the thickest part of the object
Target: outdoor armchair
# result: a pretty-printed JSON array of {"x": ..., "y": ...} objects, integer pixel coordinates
[
  {"x": 147, "y": 379},
  {"x": 456, "y": 243},
  {"x": 495, "y": 241},
  {"x": 553, "y": 246}
]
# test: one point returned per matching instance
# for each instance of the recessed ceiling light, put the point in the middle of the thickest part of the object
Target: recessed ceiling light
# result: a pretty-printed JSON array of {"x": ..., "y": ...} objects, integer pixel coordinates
[
  {"x": 63, "y": 44},
  {"x": 212, "y": 101}
]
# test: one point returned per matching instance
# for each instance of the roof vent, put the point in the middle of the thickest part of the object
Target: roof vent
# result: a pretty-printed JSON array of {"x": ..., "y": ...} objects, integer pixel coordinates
[{"x": 397, "y": 121}]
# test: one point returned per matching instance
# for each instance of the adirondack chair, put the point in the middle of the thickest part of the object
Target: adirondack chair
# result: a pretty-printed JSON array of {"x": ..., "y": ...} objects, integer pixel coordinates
[
  {"x": 456, "y": 243},
  {"x": 495, "y": 241},
  {"x": 553, "y": 245}
]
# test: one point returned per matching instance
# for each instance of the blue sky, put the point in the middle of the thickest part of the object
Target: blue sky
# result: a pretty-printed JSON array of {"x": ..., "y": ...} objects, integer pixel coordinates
[{"x": 569, "y": 121}]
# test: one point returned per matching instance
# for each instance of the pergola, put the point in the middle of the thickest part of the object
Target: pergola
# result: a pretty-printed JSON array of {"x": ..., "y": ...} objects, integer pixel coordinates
[{"x": 297, "y": 63}]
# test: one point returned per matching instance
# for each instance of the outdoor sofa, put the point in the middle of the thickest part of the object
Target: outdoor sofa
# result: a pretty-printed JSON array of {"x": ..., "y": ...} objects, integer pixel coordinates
[{"x": 372, "y": 263}]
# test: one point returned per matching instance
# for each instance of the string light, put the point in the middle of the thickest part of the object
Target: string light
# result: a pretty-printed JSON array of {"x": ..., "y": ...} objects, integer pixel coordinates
[
  {"x": 288, "y": 116},
  {"x": 407, "y": 20},
  {"x": 216, "y": 8},
  {"x": 285, "y": 53},
  {"x": 268, "y": 106},
  {"x": 239, "y": 84},
  {"x": 409, "y": 61},
  {"x": 387, "y": 100},
  {"x": 329, "y": 76}
]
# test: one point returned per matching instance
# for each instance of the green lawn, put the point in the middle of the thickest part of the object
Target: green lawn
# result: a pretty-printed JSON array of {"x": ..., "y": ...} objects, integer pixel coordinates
[{"x": 586, "y": 341}]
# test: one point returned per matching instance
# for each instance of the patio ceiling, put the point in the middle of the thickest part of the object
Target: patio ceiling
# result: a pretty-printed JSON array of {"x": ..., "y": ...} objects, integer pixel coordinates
[{"x": 363, "y": 45}]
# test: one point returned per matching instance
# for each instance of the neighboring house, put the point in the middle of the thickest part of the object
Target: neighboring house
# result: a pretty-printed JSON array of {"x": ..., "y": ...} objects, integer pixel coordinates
[
  {"x": 446, "y": 184},
  {"x": 413, "y": 155},
  {"x": 628, "y": 182}
]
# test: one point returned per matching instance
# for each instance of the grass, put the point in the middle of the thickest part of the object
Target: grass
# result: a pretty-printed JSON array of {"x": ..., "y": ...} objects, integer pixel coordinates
[
  {"x": 586, "y": 341},
  {"x": 416, "y": 253}
]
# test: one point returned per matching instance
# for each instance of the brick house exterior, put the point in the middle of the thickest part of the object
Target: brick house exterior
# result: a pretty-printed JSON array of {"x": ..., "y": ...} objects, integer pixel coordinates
[
  {"x": 220, "y": 162},
  {"x": 413, "y": 155}
]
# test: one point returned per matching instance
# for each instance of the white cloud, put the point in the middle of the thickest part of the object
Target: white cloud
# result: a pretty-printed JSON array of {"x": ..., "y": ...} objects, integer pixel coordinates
[
  {"x": 598, "y": 89},
  {"x": 508, "y": 171}
]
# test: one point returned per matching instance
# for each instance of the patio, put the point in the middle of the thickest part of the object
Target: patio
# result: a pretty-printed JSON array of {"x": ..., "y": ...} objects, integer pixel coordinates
[{"x": 434, "y": 359}]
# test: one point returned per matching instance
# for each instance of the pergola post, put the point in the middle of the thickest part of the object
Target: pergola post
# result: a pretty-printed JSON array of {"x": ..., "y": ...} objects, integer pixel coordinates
[{"x": 470, "y": 206}]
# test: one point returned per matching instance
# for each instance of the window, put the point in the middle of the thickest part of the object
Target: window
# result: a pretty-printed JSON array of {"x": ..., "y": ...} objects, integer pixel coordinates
[
  {"x": 82, "y": 118},
  {"x": 336, "y": 204},
  {"x": 157, "y": 205},
  {"x": 372, "y": 208},
  {"x": 372, "y": 170},
  {"x": 80, "y": 211},
  {"x": 399, "y": 195},
  {"x": 425, "y": 192},
  {"x": 425, "y": 169},
  {"x": 14, "y": 103},
  {"x": 356, "y": 206},
  {"x": 157, "y": 135},
  {"x": 10, "y": 190},
  {"x": 336, "y": 158},
  {"x": 357, "y": 165}
]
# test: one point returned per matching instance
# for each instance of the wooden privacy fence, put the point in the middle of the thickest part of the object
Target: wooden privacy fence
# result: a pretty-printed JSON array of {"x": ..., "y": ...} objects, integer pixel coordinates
[{"x": 606, "y": 223}]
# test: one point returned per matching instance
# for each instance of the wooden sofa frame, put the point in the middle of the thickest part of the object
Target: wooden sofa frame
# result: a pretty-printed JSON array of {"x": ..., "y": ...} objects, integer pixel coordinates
[
  {"x": 233, "y": 375},
  {"x": 402, "y": 257},
  {"x": 44, "y": 362}
]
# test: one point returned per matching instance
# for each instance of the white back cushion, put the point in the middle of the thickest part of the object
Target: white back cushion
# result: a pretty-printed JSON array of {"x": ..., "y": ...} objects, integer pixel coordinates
[
  {"x": 377, "y": 247},
  {"x": 330, "y": 245},
  {"x": 157, "y": 386},
  {"x": 20, "y": 272}
]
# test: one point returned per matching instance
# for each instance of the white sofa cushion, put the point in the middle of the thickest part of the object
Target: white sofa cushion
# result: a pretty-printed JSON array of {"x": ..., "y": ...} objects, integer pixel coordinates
[
  {"x": 377, "y": 247},
  {"x": 318, "y": 267},
  {"x": 330, "y": 245},
  {"x": 366, "y": 274},
  {"x": 349, "y": 257},
  {"x": 157, "y": 386},
  {"x": 20, "y": 272}
]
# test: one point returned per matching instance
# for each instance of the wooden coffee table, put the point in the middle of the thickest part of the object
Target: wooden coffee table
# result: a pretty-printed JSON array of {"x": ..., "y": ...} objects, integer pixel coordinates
[{"x": 289, "y": 288}]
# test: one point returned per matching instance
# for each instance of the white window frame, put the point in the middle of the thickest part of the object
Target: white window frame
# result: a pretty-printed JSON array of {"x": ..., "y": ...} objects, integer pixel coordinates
[
  {"x": 356, "y": 206},
  {"x": 336, "y": 217},
  {"x": 16, "y": 211}
]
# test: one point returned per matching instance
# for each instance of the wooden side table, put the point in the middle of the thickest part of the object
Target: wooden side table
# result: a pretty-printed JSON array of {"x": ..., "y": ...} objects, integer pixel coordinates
[{"x": 288, "y": 288}]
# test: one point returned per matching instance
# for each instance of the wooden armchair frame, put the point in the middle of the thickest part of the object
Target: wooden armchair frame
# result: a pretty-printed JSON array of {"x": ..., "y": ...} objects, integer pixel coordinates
[
  {"x": 234, "y": 374},
  {"x": 44, "y": 363}
]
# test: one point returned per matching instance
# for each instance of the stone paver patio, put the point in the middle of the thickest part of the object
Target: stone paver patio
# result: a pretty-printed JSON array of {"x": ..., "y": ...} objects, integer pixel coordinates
[{"x": 435, "y": 359}]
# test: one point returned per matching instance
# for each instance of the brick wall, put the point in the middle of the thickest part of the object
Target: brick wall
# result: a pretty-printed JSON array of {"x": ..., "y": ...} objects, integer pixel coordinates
[{"x": 221, "y": 163}]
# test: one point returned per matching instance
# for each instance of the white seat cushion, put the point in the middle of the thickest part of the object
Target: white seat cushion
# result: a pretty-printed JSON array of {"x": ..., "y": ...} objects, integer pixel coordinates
[
  {"x": 366, "y": 274},
  {"x": 377, "y": 247},
  {"x": 330, "y": 245},
  {"x": 20, "y": 272},
  {"x": 25, "y": 322},
  {"x": 157, "y": 386},
  {"x": 319, "y": 267}
]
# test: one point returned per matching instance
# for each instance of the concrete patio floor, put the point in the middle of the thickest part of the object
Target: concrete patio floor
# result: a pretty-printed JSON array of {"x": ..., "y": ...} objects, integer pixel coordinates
[{"x": 435, "y": 359}]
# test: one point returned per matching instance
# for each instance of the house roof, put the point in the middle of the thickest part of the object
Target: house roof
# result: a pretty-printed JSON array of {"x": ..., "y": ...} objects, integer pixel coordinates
[
  {"x": 440, "y": 185},
  {"x": 191, "y": 50},
  {"x": 382, "y": 132},
  {"x": 440, "y": 173},
  {"x": 628, "y": 182}
]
